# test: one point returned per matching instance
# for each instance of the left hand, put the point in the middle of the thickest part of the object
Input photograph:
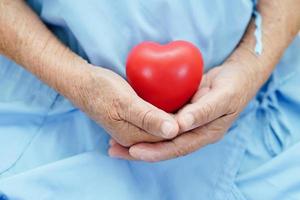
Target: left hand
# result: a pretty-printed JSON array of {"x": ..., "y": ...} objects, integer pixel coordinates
[{"x": 222, "y": 95}]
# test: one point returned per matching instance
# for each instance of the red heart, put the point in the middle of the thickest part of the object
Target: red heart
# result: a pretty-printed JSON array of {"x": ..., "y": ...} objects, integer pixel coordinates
[{"x": 166, "y": 76}]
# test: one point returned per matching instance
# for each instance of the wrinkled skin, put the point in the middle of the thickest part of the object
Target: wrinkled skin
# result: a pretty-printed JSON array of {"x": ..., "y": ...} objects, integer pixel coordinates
[
  {"x": 137, "y": 128},
  {"x": 125, "y": 116},
  {"x": 226, "y": 89},
  {"x": 220, "y": 98}
]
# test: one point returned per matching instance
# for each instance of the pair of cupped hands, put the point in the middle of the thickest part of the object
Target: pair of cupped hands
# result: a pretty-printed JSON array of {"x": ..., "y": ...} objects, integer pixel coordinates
[{"x": 140, "y": 131}]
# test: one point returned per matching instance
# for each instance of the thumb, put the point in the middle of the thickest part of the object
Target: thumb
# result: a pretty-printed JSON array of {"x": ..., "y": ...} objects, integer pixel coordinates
[
  {"x": 209, "y": 107},
  {"x": 151, "y": 119}
]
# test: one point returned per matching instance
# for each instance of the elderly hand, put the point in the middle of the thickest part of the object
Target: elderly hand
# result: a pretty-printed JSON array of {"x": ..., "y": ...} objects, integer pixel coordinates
[
  {"x": 100, "y": 93},
  {"x": 225, "y": 90},
  {"x": 109, "y": 100},
  {"x": 222, "y": 95}
]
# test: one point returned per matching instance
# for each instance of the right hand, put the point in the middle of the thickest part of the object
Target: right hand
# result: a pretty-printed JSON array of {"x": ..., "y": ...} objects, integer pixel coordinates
[
  {"x": 100, "y": 93},
  {"x": 109, "y": 100}
]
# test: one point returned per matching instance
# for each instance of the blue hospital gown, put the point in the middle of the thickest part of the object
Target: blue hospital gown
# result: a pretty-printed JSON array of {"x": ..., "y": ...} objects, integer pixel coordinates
[{"x": 51, "y": 150}]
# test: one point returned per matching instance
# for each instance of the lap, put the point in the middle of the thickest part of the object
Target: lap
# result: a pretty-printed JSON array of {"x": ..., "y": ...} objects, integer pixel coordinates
[{"x": 52, "y": 149}]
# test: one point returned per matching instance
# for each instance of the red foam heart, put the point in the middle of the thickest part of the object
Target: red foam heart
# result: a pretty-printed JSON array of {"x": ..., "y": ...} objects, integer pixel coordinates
[{"x": 166, "y": 76}]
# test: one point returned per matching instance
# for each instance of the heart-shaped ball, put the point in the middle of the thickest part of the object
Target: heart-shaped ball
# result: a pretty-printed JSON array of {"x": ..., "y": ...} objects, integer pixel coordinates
[{"x": 166, "y": 76}]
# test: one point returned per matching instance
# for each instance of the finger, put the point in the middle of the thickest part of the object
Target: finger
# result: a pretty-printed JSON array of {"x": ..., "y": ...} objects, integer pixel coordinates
[
  {"x": 151, "y": 119},
  {"x": 206, "y": 83},
  {"x": 112, "y": 142},
  {"x": 200, "y": 93},
  {"x": 118, "y": 151},
  {"x": 127, "y": 134},
  {"x": 183, "y": 144},
  {"x": 209, "y": 107}
]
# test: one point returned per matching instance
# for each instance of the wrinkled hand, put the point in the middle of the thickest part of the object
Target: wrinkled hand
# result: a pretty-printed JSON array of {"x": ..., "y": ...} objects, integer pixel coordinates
[
  {"x": 110, "y": 101},
  {"x": 222, "y": 95}
]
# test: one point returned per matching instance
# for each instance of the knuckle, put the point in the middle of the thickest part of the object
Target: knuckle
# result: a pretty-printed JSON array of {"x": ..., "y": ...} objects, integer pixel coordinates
[
  {"x": 121, "y": 104},
  {"x": 201, "y": 139},
  {"x": 116, "y": 102},
  {"x": 122, "y": 132},
  {"x": 215, "y": 137},
  {"x": 235, "y": 99},
  {"x": 236, "y": 105},
  {"x": 179, "y": 150},
  {"x": 125, "y": 141},
  {"x": 214, "y": 133},
  {"x": 126, "y": 108},
  {"x": 203, "y": 114},
  {"x": 147, "y": 119},
  {"x": 129, "y": 135},
  {"x": 113, "y": 113},
  {"x": 229, "y": 92}
]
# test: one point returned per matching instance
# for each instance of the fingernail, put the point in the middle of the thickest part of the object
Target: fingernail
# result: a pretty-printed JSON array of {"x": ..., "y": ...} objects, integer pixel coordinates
[
  {"x": 112, "y": 153},
  {"x": 187, "y": 120},
  {"x": 168, "y": 129}
]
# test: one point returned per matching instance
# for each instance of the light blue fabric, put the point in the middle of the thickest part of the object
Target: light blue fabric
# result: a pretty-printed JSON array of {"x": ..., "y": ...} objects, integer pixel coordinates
[
  {"x": 271, "y": 161},
  {"x": 258, "y": 30},
  {"x": 51, "y": 150}
]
